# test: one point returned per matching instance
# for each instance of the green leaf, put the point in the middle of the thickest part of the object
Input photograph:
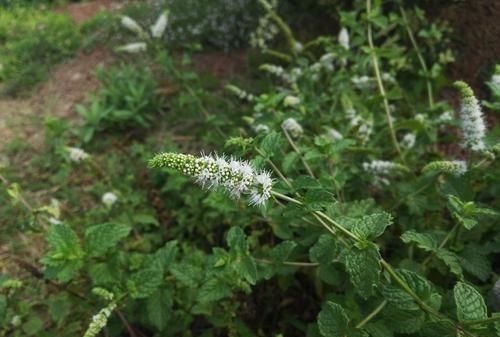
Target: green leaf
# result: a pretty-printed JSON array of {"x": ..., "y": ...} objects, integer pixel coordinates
[
  {"x": 145, "y": 219},
  {"x": 475, "y": 262},
  {"x": 363, "y": 266},
  {"x": 159, "y": 308},
  {"x": 65, "y": 256},
  {"x": 425, "y": 241},
  {"x": 282, "y": 251},
  {"x": 144, "y": 282},
  {"x": 372, "y": 226},
  {"x": 324, "y": 250},
  {"x": 213, "y": 290},
  {"x": 271, "y": 143},
  {"x": 398, "y": 298},
  {"x": 247, "y": 268},
  {"x": 100, "y": 238},
  {"x": 236, "y": 239},
  {"x": 166, "y": 255},
  {"x": 470, "y": 304},
  {"x": 332, "y": 321},
  {"x": 451, "y": 260}
]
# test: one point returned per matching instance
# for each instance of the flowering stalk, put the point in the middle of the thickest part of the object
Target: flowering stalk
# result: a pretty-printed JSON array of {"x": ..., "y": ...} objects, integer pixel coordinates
[
  {"x": 235, "y": 176},
  {"x": 282, "y": 25},
  {"x": 473, "y": 126},
  {"x": 379, "y": 80},
  {"x": 455, "y": 167}
]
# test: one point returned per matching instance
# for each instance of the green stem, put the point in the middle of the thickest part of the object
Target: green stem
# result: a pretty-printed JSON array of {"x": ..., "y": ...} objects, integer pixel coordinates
[
  {"x": 282, "y": 56},
  {"x": 401, "y": 283},
  {"x": 482, "y": 321},
  {"x": 379, "y": 81},
  {"x": 442, "y": 244},
  {"x": 296, "y": 149},
  {"x": 371, "y": 315},
  {"x": 410, "y": 291},
  {"x": 419, "y": 56},
  {"x": 288, "y": 263},
  {"x": 276, "y": 169},
  {"x": 283, "y": 26}
]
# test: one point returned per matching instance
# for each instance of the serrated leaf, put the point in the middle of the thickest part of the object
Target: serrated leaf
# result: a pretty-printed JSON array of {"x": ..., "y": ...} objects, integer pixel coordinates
[
  {"x": 144, "y": 282},
  {"x": 100, "y": 238},
  {"x": 187, "y": 274},
  {"x": 324, "y": 250},
  {"x": 159, "y": 308},
  {"x": 475, "y": 263},
  {"x": 451, "y": 260},
  {"x": 236, "y": 239},
  {"x": 271, "y": 143},
  {"x": 470, "y": 304},
  {"x": 65, "y": 256},
  {"x": 213, "y": 290},
  {"x": 425, "y": 241},
  {"x": 247, "y": 268},
  {"x": 373, "y": 225},
  {"x": 282, "y": 251},
  {"x": 403, "y": 321},
  {"x": 438, "y": 329},
  {"x": 398, "y": 298},
  {"x": 333, "y": 321},
  {"x": 363, "y": 266},
  {"x": 166, "y": 255}
]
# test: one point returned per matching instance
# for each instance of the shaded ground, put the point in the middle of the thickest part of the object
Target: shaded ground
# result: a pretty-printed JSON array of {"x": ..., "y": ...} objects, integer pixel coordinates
[
  {"x": 476, "y": 39},
  {"x": 82, "y": 11}
]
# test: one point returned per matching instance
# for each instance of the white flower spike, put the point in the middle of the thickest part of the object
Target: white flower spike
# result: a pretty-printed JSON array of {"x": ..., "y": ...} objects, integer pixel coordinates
[
  {"x": 237, "y": 177},
  {"x": 133, "y": 48},
  {"x": 293, "y": 127},
  {"x": 109, "y": 198},
  {"x": 160, "y": 25},
  {"x": 473, "y": 126},
  {"x": 344, "y": 38},
  {"x": 77, "y": 155},
  {"x": 132, "y": 25}
]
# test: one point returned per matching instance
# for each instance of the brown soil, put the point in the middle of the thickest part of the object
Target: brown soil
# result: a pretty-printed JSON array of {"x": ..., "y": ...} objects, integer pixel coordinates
[
  {"x": 71, "y": 82},
  {"x": 221, "y": 64},
  {"x": 82, "y": 11},
  {"x": 476, "y": 40}
]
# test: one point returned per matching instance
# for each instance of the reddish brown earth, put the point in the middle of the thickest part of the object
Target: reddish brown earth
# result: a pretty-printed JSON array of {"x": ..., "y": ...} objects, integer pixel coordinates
[{"x": 82, "y": 11}]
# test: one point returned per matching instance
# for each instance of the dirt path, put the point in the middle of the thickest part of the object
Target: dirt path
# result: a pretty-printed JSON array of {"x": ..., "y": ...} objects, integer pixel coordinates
[{"x": 69, "y": 83}]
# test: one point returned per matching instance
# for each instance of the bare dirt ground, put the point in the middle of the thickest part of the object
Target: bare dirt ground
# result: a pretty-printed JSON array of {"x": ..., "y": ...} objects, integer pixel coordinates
[{"x": 69, "y": 83}]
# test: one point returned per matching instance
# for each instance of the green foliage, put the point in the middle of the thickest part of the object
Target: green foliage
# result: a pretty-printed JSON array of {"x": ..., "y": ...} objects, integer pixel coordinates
[
  {"x": 32, "y": 41},
  {"x": 126, "y": 99},
  {"x": 360, "y": 235}
]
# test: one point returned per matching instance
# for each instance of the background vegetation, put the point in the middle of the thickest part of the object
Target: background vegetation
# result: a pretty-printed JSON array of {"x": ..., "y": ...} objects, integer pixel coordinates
[{"x": 382, "y": 218}]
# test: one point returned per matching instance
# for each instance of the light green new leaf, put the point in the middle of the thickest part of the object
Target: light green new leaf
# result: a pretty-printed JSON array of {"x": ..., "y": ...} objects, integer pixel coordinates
[
  {"x": 470, "y": 303},
  {"x": 363, "y": 266},
  {"x": 451, "y": 260},
  {"x": 100, "y": 238},
  {"x": 65, "y": 256},
  {"x": 373, "y": 225},
  {"x": 425, "y": 241},
  {"x": 332, "y": 321}
]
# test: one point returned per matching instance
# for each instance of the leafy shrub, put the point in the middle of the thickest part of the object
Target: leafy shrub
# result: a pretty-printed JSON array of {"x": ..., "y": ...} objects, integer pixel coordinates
[
  {"x": 32, "y": 41},
  {"x": 126, "y": 99},
  {"x": 368, "y": 227}
]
